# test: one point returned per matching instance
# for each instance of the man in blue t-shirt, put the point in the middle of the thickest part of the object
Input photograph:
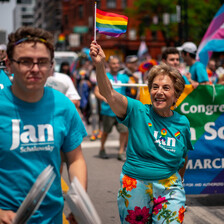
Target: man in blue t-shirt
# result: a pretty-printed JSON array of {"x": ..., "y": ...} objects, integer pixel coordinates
[
  {"x": 108, "y": 116},
  {"x": 4, "y": 79},
  {"x": 37, "y": 123},
  {"x": 197, "y": 71}
]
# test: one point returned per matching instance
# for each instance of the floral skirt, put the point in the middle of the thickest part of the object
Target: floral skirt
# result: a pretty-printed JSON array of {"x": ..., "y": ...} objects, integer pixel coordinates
[{"x": 145, "y": 202}]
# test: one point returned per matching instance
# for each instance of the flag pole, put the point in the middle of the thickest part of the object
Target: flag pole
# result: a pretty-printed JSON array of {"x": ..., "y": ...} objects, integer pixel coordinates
[{"x": 95, "y": 21}]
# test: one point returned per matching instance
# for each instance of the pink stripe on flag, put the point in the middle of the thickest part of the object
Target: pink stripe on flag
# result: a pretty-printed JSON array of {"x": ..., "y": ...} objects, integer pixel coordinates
[
  {"x": 215, "y": 24},
  {"x": 219, "y": 34}
]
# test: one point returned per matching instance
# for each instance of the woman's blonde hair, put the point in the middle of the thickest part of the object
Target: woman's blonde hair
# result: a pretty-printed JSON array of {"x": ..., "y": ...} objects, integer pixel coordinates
[{"x": 173, "y": 73}]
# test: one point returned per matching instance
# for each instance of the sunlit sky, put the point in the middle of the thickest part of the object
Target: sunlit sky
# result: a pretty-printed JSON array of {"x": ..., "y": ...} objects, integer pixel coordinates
[{"x": 6, "y": 15}]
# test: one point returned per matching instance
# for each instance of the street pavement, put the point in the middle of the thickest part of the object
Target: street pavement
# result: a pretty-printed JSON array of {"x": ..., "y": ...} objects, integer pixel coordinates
[{"x": 103, "y": 185}]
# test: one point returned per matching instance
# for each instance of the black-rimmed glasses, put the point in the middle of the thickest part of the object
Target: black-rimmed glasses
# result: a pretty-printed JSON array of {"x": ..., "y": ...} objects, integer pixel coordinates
[{"x": 43, "y": 63}]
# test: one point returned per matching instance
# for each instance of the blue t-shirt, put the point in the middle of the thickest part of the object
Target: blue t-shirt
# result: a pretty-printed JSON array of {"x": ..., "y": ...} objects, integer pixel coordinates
[
  {"x": 4, "y": 79},
  {"x": 186, "y": 80},
  {"x": 157, "y": 146},
  {"x": 198, "y": 72},
  {"x": 32, "y": 135},
  {"x": 118, "y": 79}
]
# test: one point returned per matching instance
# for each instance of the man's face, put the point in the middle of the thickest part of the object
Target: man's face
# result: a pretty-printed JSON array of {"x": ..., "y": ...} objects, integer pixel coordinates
[
  {"x": 132, "y": 66},
  {"x": 30, "y": 78},
  {"x": 114, "y": 65},
  {"x": 2, "y": 55},
  {"x": 186, "y": 57},
  {"x": 173, "y": 60},
  {"x": 211, "y": 65}
]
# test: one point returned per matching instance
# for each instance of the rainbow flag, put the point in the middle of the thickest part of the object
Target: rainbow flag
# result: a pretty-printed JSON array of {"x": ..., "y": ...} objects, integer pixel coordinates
[
  {"x": 61, "y": 37},
  {"x": 111, "y": 24},
  {"x": 177, "y": 134}
]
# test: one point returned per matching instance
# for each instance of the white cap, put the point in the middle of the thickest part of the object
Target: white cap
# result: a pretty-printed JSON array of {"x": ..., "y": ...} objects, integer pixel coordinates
[
  {"x": 2, "y": 47},
  {"x": 189, "y": 47}
]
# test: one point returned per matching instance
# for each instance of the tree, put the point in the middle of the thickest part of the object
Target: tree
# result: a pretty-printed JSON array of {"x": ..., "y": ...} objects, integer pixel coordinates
[{"x": 195, "y": 18}]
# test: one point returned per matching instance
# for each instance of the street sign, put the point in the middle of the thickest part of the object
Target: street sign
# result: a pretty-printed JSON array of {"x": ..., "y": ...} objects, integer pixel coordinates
[{"x": 80, "y": 29}]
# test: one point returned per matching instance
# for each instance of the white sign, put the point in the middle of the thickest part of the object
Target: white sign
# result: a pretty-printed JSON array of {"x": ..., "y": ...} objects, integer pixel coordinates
[{"x": 74, "y": 40}]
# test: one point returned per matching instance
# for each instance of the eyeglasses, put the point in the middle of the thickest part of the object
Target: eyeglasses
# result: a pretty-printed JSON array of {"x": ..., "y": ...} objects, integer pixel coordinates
[{"x": 43, "y": 63}]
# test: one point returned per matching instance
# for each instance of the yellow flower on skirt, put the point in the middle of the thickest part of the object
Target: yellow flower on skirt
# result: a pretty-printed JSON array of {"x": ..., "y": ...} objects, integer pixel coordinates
[
  {"x": 169, "y": 181},
  {"x": 149, "y": 190}
]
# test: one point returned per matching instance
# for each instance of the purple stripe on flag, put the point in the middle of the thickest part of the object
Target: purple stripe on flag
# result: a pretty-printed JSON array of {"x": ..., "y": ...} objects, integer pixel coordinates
[
  {"x": 215, "y": 24},
  {"x": 110, "y": 32}
]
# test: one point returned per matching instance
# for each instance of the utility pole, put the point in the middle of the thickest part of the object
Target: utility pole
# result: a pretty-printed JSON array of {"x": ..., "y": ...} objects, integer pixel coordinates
[
  {"x": 179, "y": 20},
  {"x": 185, "y": 18}
]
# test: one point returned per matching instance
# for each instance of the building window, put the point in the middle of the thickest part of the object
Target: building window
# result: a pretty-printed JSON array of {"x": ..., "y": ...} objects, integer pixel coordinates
[
  {"x": 24, "y": 1},
  {"x": 27, "y": 24},
  {"x": 27, "y": 16},
  {"x": 80, "y": 11},
  {"x": 123, "y": 4},
  {"x": 65, "y": 19},
  {"x": 154, "y": 35},
  {"x": 111, "y": 4},
  {"x": 98, "y": 4}
]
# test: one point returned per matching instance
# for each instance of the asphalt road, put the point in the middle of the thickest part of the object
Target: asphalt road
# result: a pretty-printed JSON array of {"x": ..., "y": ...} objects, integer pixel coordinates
[{"x": 103, "y": 185}]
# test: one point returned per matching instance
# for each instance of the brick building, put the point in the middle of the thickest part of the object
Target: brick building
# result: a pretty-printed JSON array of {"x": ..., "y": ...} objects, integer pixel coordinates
[{"x": 78, "y": 26}]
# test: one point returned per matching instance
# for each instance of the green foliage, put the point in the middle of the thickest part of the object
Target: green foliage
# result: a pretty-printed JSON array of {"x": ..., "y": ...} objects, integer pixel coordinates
[
  {"x": 123, "y": 193},
  {"x": 199, "y": 15}
]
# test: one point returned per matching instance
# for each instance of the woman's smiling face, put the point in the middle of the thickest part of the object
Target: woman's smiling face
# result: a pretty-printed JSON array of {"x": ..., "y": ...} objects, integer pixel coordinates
[{"x": 163, "y": 95}]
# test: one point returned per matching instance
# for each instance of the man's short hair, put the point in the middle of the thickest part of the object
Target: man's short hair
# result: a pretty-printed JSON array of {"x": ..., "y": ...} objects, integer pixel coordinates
[
  {"x": 113, "y": 57},
  {"x": 131, "y": 59},
  {"x": 30, "y": 35},
  {"x": 192, "y": 55},
  {"x": 169, "y": 50}
]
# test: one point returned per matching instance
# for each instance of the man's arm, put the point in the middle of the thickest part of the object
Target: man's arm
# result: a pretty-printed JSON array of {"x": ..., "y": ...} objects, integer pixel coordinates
[
  {"x": 204, "y": 83},
  {"x": 77, "y": 166},
  {"x": 98, "y": 95}
]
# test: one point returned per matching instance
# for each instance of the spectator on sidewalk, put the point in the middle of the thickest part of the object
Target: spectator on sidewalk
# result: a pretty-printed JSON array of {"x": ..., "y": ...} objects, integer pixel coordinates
[
  {"x": 65, "y": 68},
  {"x": 220, "y": 73},
  {"x": 211, "y": 70},
  {"x": 64, "y": 84},
  {"x": 96, "y": 118},
  {"x": 108, "y": 116},
  {"x": 131, "y": 69}
]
